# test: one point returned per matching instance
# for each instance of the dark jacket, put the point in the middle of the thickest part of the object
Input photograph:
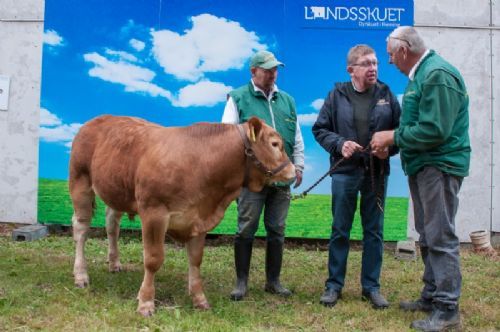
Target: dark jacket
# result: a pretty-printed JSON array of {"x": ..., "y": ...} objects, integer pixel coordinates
[{"x": 335, "y": 125}]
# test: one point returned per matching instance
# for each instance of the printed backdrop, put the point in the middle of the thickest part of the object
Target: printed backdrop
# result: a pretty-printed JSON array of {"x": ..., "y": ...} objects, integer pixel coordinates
[{"x": 174, "y": 61}]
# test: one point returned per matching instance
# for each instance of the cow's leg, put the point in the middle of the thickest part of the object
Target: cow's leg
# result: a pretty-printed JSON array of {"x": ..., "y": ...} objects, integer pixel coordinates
[
  {"x": 83, "y": 198},
  {"x": 195, "y": 253},
  {"x": 113, "y": 229},
  {"x": 154, "y": 225}
]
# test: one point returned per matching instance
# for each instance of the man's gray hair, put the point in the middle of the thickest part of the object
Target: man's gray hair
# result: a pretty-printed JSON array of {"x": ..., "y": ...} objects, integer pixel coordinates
[{"x": 408, "y": 37}]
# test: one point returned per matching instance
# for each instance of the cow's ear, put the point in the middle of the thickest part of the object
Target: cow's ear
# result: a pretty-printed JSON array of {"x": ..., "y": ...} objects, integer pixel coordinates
[{"x": 254, "y": 128}]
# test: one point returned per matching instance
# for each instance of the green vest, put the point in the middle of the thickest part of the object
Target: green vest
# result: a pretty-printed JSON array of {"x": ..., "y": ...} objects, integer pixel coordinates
[{"x": 253, "y": 103}]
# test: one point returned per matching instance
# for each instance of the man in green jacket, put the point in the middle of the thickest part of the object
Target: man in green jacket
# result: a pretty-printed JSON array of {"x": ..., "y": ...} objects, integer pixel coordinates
[
  {"x": 435, "y": 152},
  {"x": 261, "y": 98}
]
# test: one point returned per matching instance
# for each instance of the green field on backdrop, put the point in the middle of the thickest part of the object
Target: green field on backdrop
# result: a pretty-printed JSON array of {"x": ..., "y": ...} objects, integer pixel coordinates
[{"x": 308, "y": 218}]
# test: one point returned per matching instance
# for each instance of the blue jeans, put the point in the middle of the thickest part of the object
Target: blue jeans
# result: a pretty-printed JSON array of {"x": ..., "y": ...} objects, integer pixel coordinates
[
  {"x": 345, "y": 189},
  {"x": 275, "y": 201},
  {"x": 435, "y": 205}
]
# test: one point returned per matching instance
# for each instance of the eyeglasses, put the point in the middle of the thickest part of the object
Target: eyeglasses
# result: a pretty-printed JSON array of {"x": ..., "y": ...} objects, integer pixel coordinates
[
  {"x": 366, "y": 64},
  {"x": 406, "y": 41}
]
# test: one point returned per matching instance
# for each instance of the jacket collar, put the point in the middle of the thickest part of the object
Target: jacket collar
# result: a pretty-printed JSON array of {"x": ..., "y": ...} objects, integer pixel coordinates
[
  {"x": 258, "y": 91},
  {"x": 413, "y": 70},
  {"x": 379, "y": 88}
]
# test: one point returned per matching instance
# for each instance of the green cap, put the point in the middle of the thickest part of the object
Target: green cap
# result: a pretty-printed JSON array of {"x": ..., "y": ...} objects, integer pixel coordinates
[{"x": 265, "y": 60}]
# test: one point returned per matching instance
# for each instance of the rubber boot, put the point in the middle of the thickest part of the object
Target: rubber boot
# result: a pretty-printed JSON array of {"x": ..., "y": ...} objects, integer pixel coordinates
[
  {"x": 274, "y": 258},
  {"x": 242, "y": 256}
]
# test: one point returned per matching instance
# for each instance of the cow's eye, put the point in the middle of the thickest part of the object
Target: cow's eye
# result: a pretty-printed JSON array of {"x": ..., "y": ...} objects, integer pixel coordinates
[{"x": 275, "y": 144}]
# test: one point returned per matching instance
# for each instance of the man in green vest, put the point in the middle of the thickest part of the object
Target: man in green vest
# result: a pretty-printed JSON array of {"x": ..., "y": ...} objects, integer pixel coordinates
[
  {"x": 261, "y": 98},
  {"x": 435, "y": 151}
]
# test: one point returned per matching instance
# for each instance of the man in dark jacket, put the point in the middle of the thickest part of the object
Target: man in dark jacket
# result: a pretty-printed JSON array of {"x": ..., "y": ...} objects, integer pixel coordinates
[
  {"x": 350, "y": 115},
  {"x": 435, "y": 153}
]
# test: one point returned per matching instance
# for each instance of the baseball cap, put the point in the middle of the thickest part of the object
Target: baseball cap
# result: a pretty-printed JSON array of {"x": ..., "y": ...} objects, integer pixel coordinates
[{"x": 265, "y": 60}]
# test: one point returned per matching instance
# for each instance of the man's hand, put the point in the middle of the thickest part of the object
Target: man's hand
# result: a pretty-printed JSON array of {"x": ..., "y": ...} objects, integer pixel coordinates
[
  {"x": 349, "y": 147},
  {"x": 298, "y": 178},
  {"x": 381, "y": 154},
  {"x": 381, "y": 141}
]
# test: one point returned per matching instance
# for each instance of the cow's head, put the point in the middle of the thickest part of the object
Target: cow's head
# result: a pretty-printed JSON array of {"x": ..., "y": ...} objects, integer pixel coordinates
[{"x": 268, "y": 150}]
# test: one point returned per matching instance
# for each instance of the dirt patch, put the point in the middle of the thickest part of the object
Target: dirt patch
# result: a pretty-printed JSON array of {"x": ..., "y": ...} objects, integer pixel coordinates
[{"x": 6, "y": 229}]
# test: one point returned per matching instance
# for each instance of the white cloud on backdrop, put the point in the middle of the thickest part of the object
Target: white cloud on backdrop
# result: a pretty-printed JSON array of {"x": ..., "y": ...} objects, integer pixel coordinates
[
  {"x": 310, "y": 118},
  {"x": 52, "y": 38},
  {"x": 138, "y": 79},
  {"x": 52, "y": 129},
  {"x": 307, "y": 119},
  {"x": 212, "y": 44},
  {"x": 121, "y": 55},
  {"x": 317, "y": 104},
  {"x": 187, "y": 57},
  {"x": 48, "y": 119},
  {"x": 137, "y": 44},
  {"x": 203, "y": 93},
  {"x": 134, "y": 78}
]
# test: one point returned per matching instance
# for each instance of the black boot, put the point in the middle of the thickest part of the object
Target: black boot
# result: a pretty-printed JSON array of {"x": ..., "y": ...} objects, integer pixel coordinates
[
  {"x": 442, "y": 318},
  {"x": 242, "y": 256},
  {"x": 274, "y": 257}
]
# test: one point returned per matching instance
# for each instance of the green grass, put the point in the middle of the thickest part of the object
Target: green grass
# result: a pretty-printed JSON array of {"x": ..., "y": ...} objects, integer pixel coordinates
[
  {"x": 37, "y": 292},
  {"x": 307, "y": 218}
]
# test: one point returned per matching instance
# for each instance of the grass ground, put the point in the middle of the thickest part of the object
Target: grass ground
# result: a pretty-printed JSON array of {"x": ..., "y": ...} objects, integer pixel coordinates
[
  {"x": 37, "y": 292},
  {"x": 308, "y": 218}
]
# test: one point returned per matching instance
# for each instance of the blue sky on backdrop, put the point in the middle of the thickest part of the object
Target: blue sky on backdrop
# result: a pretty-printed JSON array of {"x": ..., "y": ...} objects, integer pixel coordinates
[{"x": 173, "y": 62}]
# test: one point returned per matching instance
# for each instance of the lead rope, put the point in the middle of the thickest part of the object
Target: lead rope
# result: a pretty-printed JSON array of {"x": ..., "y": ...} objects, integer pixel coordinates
[{"x": 378, "y": 193}]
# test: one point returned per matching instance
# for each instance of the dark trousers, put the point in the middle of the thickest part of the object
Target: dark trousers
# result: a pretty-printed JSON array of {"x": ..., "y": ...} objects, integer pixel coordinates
[
  {"x": 345, "y": 189},
  {"x": 275, "y": 202},
  {"x": 435, "y": 204}
]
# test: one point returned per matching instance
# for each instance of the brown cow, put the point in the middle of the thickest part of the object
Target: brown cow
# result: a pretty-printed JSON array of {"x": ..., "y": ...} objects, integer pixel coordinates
[{"x": 180, "y": 180}]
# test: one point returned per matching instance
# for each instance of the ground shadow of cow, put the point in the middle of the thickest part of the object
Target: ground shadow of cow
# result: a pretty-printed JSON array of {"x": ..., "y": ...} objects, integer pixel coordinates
[{"x": 179, "y": 180}]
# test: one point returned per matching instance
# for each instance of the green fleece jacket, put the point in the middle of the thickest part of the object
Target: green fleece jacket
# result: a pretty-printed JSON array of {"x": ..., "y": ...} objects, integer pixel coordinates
[
  {"x": 253, "y": 103},
  {"x": 434, "y": 125}
]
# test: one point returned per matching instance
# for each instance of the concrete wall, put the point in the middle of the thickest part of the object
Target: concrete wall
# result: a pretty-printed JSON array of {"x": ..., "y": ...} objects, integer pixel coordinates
[
  {"x": 21, "y": 27},
  {"x": 458, "y": 30},
  {"x": 495, "y": 198}
]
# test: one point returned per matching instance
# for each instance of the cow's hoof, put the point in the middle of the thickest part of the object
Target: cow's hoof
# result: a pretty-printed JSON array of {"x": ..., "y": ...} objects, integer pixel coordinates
[
  {"x": 147, "y": 308},
  {"x": 117, "y": 267},
  {"x": 202, "y": 306},
  {"x": 81, "y": 281}
]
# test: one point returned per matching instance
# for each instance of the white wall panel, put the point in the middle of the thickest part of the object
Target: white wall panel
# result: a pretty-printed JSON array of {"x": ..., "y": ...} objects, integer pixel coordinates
[
  {"x": 496, "y": 128},
  {"x": 496, "y": 13},
  {"x": 20, "y": 59},
  {"x": 452, "y": 12}
]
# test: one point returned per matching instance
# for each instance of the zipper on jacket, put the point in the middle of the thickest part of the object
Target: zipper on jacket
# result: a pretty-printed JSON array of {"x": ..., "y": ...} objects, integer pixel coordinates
[{"x": 271, "y": 110}]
